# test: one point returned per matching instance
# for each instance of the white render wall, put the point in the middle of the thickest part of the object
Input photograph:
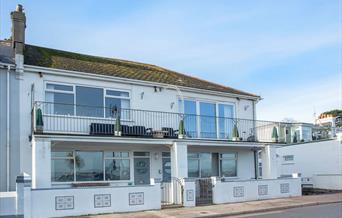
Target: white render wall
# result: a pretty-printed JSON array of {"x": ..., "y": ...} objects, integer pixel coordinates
[
  {"x": 250, "y": 190},
  {"x": 44, "y": 201},
  {"x": 7, "y": 203},
  {"x": 323, "y": 157},
  {"x": 311, "y": 160}
]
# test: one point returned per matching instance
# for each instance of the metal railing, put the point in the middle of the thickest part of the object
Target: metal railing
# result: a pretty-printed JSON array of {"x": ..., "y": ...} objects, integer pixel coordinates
[{"x": 58, "y": 118}]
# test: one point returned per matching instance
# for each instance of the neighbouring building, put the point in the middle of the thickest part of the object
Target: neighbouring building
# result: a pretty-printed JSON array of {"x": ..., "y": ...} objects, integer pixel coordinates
[
  {"x": 84, "y": 135},
  {"x": 318, "y": 163}
]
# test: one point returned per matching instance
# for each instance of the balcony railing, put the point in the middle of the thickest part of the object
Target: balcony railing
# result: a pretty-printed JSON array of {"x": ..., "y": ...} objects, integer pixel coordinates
[{"x": 70, "y": 119}]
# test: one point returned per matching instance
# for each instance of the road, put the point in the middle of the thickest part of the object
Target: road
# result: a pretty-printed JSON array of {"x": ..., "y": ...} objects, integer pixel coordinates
[{"x": 319, "y": 211}]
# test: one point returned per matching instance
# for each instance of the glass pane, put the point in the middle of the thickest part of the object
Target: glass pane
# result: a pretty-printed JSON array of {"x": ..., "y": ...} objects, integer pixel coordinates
[
  {"x": 226, "y": 124},
  {"x": 228, "y": 155},
  {"x": 205, "y": 159},
  {"x": 111, "y": 154},
  {"x": 62, "y": 170},
  {"x": 193, "y": 155},
  {"x": 116, "y": 103},
  {"x": 193, "y": 168},
  {"x": 89, "y": 166},
  {"x": 59, "y": 87},
  {"x": 67, "y": 154},
  {"x": 166, "y": 154},
  {"x": 166, "y": 169},
  {"x": 124, "y": 154},
  {"x": 208, "y": 120},
  {"x": 117, "y": 169},
  {"x": 117, "y": 93},
  {"x": 89, "y": 102},
  {"x": 59, "y": 103},
  {"x": 142, "y": 154},
  {"x": 141, "y": 170},
  {"x": 228, "y": 167},
  {"x": 190, "y": 124}
]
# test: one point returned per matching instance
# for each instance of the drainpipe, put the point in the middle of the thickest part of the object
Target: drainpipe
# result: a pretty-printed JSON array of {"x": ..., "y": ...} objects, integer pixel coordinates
[
  {"x": 8, "y": 128},
  {"x": 256, "y": 162}
]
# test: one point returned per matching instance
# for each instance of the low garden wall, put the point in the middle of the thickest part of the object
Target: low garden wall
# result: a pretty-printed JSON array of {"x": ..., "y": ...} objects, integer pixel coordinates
[{"x": 249, "y": 190}]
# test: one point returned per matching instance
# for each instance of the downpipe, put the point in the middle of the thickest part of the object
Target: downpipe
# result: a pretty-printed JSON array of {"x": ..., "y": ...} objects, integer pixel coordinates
[{"x": 8, "y": 128}]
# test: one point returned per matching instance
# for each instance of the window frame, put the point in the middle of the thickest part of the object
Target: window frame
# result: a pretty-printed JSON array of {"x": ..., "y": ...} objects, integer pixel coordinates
[
  {"x": 64, "y": 158},
  {"x": 129, "y": 98},
  {"x": 131, "y": 167},
  {"x": 226, "y": 158},
  {"x": 198, "y": 113},
  {"x": 117, "y": 158},
  {"x": 285, "y": 158}
]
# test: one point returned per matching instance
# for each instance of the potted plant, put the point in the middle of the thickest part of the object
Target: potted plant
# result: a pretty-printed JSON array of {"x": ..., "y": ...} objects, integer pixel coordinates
[
  {"x": 181, "y": 131},
  {"x": 275, "y": 134},
  {"x": 39, "y": 120},
  {"x": 235, "y": 135}
]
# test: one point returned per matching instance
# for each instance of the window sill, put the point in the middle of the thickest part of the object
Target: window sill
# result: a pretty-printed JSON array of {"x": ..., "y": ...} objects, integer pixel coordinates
[{"x": 90, "y": 184}]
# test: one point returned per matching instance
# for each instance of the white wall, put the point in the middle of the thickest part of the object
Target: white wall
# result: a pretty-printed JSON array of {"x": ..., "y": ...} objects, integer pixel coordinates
[
  {"x": 7, "y": 203},
  {"x": 44, "y": 201},
  {"x": 249, "y": 190},
  {"x": 312, "y": 159},
  {"x": 327, "y": 181}
]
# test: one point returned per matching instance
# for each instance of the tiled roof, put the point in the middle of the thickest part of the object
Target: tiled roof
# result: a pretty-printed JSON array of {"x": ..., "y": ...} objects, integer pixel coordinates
[{"x": 52, "y": 58}]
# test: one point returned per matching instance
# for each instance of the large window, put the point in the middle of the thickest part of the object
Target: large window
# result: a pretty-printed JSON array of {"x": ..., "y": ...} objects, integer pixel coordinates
[
  {"x": 202, "y": 165},
  {"x": 117, "y": 166},
  {"x": 228, "y": 165},
  {"x": 89, "y": 101},
  {"x": 85, "y": 101},
  {"x": 193, "y": 165},
  {"x": 89, "y": 166},
  {"x": 62, "y": 96},
  {"x": 116, "y": 100},
  {"x": 62, "y": 166},
  {"x": 208, "y": 120},
  {"x": 75, "y": 166}
]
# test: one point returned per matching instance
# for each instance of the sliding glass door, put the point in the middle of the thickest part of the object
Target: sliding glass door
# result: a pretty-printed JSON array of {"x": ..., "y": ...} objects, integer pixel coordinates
[
  {"x": 226, "y": 122},
  {"x": 208, "y": 120},
  {"x": 190, "y": 119}
]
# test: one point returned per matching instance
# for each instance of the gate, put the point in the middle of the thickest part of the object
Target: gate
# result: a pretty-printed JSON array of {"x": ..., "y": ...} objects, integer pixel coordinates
[
  {"x": 204, "y": 191},
  {"x": 172, "y": 192}
]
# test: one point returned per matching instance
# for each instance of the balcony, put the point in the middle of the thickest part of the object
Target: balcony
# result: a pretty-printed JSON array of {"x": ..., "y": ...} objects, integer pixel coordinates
[{"x": 70, "y": 119}]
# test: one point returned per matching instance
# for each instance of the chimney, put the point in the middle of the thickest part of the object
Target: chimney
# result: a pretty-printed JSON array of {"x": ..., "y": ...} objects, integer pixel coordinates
[{"x": 18, "y": 30}]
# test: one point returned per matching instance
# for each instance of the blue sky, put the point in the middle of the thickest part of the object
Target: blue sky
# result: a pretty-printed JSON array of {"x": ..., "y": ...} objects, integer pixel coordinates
[{"x": 289, "y": 52}]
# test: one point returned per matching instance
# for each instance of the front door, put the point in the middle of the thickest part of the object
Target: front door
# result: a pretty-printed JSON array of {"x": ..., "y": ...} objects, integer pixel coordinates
[
  {"x": 141, "y": 168},
  {"x": 166, "y": 161}
]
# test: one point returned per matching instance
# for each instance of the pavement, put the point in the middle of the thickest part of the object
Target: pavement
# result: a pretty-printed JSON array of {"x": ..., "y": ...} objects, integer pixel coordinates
[
  {"x": 317, "y": 211},
  {"x": 233, "y": 209}
]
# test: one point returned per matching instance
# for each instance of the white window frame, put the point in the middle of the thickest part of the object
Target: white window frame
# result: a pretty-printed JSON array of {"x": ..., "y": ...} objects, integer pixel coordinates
[
  {"x": 286, "y": 158},
  {"x": 198, "y": 112},
  {"x": 236, "y": 163},
  {"x": 131, "y": 167},
  {"x": 117, "y": 158},
  {"x": 89, "y": 86}
]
